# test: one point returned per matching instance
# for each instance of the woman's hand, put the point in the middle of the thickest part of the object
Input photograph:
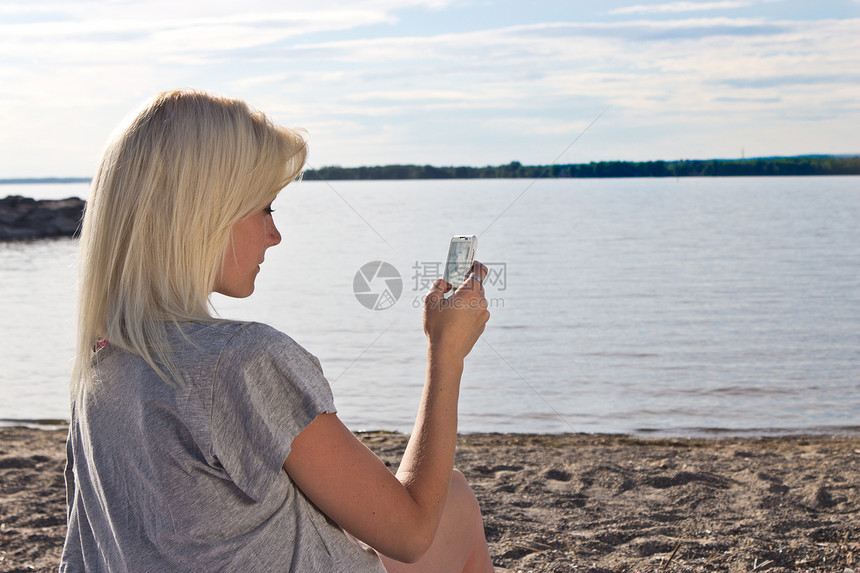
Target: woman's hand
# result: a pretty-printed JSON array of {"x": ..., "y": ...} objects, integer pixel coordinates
[{"x": 453, "y": 325}]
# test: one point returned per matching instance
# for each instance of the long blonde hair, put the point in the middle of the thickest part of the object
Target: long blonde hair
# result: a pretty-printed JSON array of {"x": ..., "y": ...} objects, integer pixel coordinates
[{"x": 168, "y": 189}]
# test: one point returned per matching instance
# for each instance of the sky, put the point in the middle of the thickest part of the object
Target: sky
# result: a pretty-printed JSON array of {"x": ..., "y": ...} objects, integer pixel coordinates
[{"x": 443, "y": 82}]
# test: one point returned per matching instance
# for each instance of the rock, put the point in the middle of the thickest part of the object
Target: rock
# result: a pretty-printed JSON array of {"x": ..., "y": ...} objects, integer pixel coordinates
[{"x": 22, "y": 218}]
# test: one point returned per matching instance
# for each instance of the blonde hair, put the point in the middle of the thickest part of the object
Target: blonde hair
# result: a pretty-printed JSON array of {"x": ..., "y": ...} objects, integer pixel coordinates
[{"x": 168, "y": 189}]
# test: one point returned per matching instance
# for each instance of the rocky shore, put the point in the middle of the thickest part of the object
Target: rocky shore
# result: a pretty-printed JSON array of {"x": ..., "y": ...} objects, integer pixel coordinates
[{"x": 22, "y": 218}]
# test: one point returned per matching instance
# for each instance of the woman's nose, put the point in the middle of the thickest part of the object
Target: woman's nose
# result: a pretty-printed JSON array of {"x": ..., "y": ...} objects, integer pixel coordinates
[{"x": 274, "y": 236}]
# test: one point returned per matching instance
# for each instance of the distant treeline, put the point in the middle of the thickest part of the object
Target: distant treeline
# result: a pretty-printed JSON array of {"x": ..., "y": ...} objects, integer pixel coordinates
[
  {"x": 766, "y": 166},
  {"x": 807, "y": 165}
]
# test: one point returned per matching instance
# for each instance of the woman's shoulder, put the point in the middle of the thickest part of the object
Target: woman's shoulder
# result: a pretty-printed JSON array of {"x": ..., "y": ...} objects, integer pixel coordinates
[
  {"x": 224, "y": 330},
  {"x": 254, "y": 333},
  {"x": 251, "y": 338},
  {"x": 257, "y": 347}
]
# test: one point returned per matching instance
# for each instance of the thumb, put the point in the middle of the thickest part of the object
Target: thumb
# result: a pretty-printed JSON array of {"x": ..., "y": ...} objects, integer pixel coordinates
[{"x": 436, "y": 293}]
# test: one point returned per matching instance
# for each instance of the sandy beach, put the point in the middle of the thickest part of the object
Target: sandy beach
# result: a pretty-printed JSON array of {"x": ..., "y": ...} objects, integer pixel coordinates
[{"x": 571, "y": 502}]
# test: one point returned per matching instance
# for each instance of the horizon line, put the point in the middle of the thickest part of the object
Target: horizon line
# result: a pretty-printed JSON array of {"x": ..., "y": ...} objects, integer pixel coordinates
[{"x": 61, "y": 180}]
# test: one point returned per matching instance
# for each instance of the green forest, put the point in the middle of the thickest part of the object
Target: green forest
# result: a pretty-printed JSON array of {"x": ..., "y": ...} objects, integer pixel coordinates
[
  {"x": 768, "y": 166},
  {"x": 774, "y": 166}
]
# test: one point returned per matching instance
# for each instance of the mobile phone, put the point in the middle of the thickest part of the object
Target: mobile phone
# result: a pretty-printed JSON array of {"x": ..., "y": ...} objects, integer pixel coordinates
[{"x": 461, "y": 254}]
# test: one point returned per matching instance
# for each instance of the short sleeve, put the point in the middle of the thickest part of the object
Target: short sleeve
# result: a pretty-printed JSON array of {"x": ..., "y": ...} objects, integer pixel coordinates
[{"x": 267, "y": 389}]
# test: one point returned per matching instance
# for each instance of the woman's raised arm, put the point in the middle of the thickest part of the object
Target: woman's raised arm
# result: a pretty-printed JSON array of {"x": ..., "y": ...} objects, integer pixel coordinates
[{"x": 398, "y": 515}]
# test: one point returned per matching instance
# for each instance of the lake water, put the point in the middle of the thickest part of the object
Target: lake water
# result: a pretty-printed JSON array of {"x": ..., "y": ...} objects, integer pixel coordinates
[{"x": 657, "y": 306}]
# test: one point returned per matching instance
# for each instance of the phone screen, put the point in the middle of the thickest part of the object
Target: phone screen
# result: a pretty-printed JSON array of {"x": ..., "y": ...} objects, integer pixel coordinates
[{"x": 461, "y": 253}]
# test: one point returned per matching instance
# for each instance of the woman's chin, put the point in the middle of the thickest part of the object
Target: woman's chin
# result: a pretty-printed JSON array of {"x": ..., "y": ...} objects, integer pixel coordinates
[{"x": 244, "y": 292}]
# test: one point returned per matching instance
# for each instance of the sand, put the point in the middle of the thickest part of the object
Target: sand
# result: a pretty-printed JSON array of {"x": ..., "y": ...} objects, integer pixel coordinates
[{"x": 570, "y": 502}]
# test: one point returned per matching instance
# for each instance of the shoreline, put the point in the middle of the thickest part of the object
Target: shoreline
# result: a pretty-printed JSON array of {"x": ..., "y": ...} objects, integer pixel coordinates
[
  {"x": 773, "y": 166},
  {"x": 558, "y": 502},
  {"x": 51, "y": 424}
]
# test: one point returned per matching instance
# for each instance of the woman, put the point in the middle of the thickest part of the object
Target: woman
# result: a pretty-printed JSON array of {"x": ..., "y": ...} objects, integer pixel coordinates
[{"x": 203, "y": 444}]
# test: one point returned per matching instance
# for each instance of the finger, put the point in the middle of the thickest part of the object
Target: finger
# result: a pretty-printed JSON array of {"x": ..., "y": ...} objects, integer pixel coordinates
[
  {"x": 436, "y": 292},
  {"x": 479, "y": 269},
  {"x": 475, "y": 278}
]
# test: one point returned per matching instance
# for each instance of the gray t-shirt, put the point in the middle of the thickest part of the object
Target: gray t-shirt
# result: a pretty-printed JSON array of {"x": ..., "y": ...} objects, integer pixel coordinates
[{"x": 189, "y": 477}]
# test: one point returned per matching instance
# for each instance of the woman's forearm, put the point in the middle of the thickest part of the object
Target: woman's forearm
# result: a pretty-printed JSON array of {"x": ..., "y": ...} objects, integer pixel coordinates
[
  {"x": 452, "y": 327},
  {"x": 428, "y": 461}
]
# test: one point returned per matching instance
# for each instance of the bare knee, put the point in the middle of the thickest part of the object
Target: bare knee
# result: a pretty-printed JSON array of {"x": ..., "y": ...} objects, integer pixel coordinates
[
  {"x": 462, "y": 495},
  {"x": 459, "y": 486},
  {"x": 459, "y": 541},
  {"x": 471, "y": 525}
]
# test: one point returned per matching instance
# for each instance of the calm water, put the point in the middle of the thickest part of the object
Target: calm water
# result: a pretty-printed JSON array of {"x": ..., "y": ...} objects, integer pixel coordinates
[{"x": 675, "y": 306}]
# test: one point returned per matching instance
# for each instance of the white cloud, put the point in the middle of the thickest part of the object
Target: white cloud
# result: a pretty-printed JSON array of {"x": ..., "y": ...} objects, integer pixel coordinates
[
  {"x": 118, "y": 38},
  {"x": 676, "y": 7},
  {"x": 736, "y": 72},
  {"x": 428, "y": 97},
  {"x": 158, "y": 10}
]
